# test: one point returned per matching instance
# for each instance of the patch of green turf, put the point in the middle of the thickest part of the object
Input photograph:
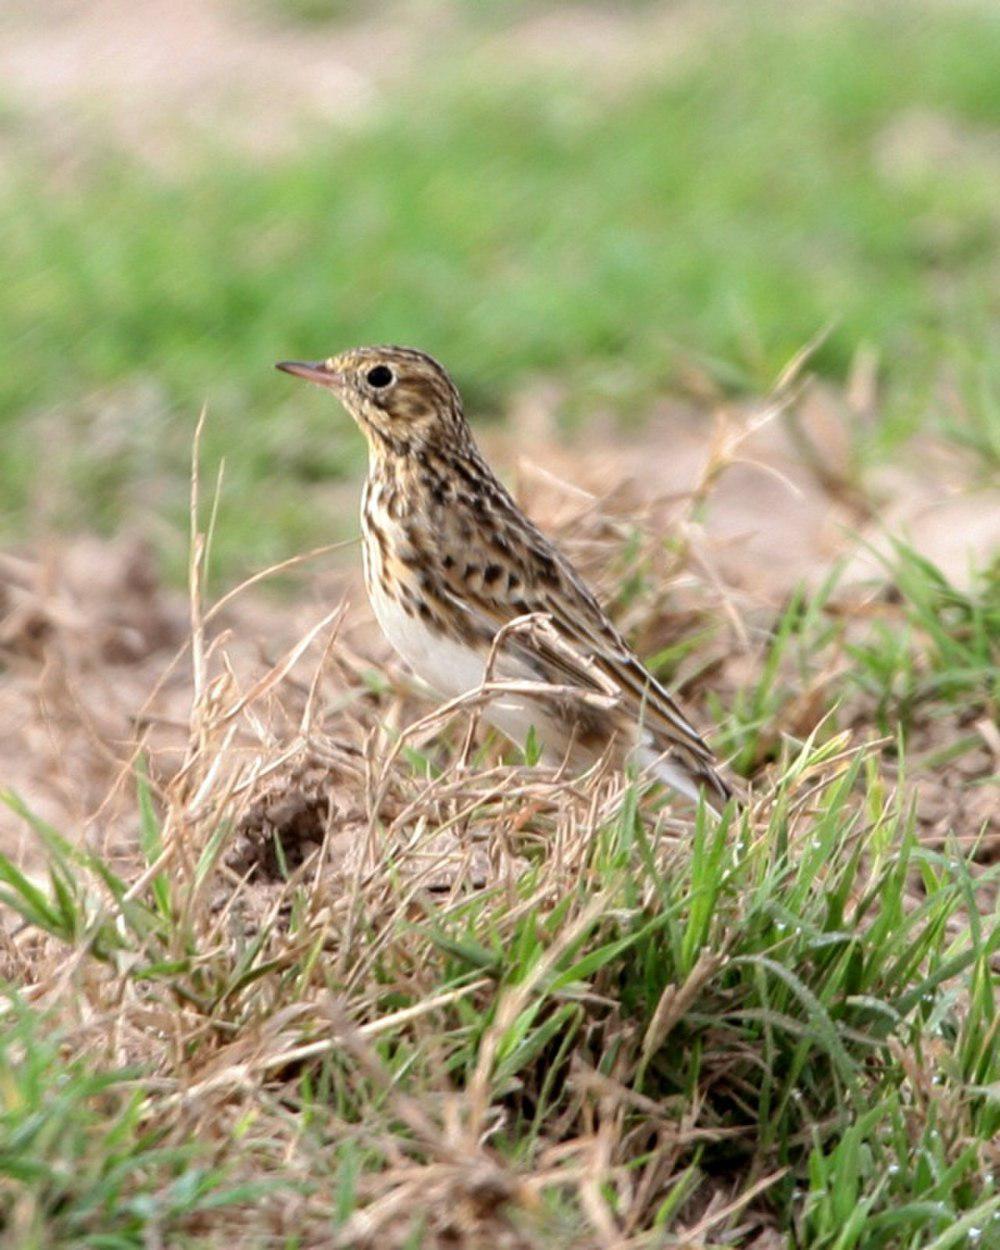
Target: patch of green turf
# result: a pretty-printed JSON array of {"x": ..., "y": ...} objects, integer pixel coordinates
[
  {"x": 81, "y": 1164},
  {"x": 946, "y": 655},
  {"x": 831, "y": 167},
  {"x": 817, "y": 997}
]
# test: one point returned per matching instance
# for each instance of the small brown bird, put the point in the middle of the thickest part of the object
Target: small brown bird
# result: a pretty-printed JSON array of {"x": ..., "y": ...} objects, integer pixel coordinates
[{"x": 450, "y": 560}]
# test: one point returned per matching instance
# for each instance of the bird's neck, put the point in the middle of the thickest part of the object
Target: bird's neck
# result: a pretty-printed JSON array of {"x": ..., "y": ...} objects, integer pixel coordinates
[{"x": 426, "y": 478}]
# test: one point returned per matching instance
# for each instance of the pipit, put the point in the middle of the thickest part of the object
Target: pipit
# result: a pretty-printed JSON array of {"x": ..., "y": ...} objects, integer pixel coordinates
[{"x": 467, "y": 590}]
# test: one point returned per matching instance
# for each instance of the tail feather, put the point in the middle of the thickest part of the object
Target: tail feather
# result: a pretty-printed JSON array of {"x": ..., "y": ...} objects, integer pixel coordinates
[{"x": 694, "y": 779}]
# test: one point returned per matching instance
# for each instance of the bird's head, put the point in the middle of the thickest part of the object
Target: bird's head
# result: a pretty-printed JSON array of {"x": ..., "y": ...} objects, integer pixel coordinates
[{"x": 402, "y": 399}]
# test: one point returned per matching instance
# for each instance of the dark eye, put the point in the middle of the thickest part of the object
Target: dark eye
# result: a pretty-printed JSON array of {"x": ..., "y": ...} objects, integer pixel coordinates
[{"x": 379, "y": 376}]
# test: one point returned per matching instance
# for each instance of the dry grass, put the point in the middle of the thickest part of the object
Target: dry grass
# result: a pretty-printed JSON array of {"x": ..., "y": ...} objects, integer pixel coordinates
[{"x": 344, "y": 975}]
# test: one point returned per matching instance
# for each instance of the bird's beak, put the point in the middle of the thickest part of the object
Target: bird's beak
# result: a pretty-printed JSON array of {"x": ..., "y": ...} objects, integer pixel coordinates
[{"x": 318, "y": 371}]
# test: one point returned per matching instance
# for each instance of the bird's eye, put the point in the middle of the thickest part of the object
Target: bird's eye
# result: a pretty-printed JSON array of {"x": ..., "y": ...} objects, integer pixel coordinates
[{"x": 379, "y": 376}]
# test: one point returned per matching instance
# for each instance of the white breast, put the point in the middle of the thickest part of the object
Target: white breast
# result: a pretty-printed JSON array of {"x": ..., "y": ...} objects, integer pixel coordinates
[
  {"x": 446, "y": 665},
  {"x": 449, "y": 667},
  {"x": 452, "y": 669}
]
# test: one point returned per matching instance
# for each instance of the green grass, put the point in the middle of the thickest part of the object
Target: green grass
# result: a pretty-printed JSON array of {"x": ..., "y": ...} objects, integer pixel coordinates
[
  {"x": 834, "y": 1034},
  {"x": 513, "y": 226},
  {"x": 794, "y": 1009},
  {"x": 80, "y": 1162},
  {"x": 959, "y": 661}
]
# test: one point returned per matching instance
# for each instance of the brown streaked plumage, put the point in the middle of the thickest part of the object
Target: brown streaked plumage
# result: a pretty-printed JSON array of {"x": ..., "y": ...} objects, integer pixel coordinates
[{"x": 450, "y": 559}]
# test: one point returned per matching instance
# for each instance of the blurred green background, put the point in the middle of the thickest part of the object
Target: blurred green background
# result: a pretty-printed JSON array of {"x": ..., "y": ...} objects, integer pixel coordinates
[{"x": 637, "y": 200}]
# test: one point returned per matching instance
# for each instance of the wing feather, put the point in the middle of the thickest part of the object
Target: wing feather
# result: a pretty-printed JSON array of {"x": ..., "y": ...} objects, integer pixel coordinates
[{"x": 596, "y": 648}]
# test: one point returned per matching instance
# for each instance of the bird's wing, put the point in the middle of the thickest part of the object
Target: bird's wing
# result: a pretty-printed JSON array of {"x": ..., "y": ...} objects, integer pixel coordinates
[
  {"x": 645, "y": 699},
  {"x": 537, "y": 578},
  {"x": 581, "y": 620}
]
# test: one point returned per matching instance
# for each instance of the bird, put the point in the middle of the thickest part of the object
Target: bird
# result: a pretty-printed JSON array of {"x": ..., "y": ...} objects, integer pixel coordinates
[{"x": 467, "y": 589}]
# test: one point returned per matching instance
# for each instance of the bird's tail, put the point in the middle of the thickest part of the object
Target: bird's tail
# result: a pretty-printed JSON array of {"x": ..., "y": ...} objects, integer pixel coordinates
[{"x": 691, "y": 778}]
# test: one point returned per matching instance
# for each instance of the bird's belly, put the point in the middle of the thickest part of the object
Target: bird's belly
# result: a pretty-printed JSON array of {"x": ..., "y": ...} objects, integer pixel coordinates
[
  {"x": 451, "y": 669},
  {"x": 448, "y": 666}
]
